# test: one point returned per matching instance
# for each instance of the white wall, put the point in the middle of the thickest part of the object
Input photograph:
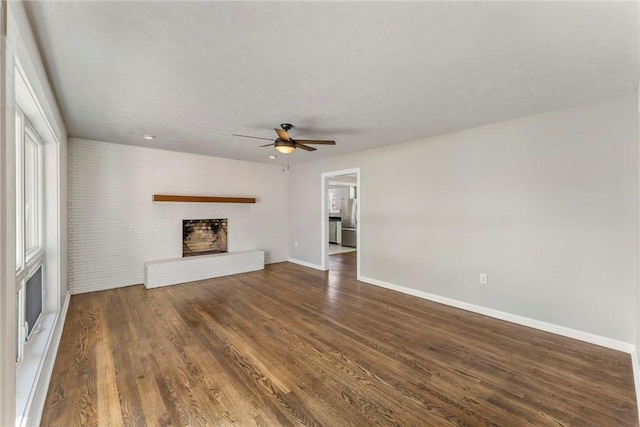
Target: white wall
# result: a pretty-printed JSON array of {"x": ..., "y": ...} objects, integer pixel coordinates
[
  {"x": 114, "y": 227},
  {"x": 634, "y": 355},
  {"x": 546, "y": 205}
]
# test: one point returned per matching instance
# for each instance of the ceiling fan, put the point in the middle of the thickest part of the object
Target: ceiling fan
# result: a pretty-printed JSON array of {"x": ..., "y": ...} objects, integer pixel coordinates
[{"x": 287, "y": 145}]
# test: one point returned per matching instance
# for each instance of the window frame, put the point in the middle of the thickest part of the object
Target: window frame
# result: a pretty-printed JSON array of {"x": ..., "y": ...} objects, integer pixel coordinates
[
  {"x": 38, "y": 251},
  {"x": 28, "y": 261}
]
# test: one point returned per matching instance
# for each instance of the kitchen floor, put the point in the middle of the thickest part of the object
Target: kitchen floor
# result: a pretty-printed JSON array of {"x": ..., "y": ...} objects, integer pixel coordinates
[{"x": 338, "y": 249}]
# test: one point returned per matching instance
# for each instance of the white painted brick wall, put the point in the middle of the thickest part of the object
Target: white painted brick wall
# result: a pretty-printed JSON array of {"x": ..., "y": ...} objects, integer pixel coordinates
[{"x": 114, "y": 227}]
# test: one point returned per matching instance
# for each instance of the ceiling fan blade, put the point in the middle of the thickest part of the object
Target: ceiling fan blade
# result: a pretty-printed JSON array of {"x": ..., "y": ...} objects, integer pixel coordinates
[
  {"x": 313, "y": 141},
  {"x": 282, "y": 134},
  {"x": 254, "y": 137},
  {"x": 268, "y": 145},
  {"x": 304, "y": 147}
]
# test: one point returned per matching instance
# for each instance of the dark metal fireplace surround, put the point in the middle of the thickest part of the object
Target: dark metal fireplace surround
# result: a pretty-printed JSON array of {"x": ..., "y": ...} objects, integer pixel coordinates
[{"x": 204, "y": 236}]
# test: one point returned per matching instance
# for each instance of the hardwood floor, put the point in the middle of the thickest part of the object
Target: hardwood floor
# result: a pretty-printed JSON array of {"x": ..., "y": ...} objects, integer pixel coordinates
[{"x": 294, "y": 346}]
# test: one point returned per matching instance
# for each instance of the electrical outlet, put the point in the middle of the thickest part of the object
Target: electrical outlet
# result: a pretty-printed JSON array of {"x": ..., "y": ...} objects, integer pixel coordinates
[
  {"x": 295, "y": 244},
  {"x": 484, "y": 279}
]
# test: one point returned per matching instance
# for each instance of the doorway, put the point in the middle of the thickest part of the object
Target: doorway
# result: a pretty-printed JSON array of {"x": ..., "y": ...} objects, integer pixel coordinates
[{"x": 340, "y": 219}]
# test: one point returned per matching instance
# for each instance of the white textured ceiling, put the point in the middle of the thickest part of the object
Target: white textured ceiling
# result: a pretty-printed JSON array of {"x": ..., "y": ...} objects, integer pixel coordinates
[{"x": 364, "y": 74}]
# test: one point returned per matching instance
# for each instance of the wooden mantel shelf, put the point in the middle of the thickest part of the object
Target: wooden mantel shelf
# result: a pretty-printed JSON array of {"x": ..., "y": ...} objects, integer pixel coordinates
[{"x": 201, "y": 199}]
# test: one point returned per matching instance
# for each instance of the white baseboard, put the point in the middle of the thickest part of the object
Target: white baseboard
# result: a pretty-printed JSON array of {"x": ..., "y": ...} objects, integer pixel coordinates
[
  {"x": 525, "y": 321},
  {"x": 86, "y": 289},
  {"x": 636, "y": 375},
  {"x": 36, "y": 406},
  {"x": 513, "y": 318},
  {"x": 306, "y": 264},
  {"x": 76, "y": 290}
]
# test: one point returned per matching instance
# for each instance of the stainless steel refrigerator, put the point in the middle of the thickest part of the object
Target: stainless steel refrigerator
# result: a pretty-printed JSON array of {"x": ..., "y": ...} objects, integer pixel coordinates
[{"x": 348, "y": 211}]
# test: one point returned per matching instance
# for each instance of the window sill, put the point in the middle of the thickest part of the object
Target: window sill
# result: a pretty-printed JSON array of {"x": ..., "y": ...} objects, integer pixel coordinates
[{"x": 29, "y": 370}]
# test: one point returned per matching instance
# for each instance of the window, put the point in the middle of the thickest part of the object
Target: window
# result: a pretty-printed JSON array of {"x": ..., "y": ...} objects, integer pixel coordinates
[
  {"x": 33, "y": 306},
  {"x": 38, "y": 291},
  {"x": 32, "y": 190},
  {"x": 333, "y": 203},
  {"x": 29, "y": 232}
]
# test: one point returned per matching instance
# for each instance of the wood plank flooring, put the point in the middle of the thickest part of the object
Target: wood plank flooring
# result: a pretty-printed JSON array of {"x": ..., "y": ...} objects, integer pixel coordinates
[{"x": 292, "y": 346}]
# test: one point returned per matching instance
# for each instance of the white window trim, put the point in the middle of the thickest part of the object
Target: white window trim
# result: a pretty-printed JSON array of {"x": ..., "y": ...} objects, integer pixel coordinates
[
  {"x": 31, "y": 260},
  {"x": 39, "y": 208},
  {"x": 19, "y": 191}
]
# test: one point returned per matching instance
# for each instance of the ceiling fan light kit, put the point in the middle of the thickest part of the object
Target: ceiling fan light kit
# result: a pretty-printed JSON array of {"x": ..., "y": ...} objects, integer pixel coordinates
[
  {"x": 285, "y": 144},
  {"x": 285, "y": 147}
]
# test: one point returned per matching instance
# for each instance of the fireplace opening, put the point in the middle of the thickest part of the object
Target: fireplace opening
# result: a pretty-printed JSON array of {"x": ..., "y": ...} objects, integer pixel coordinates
[{"x": 204, "y": 236}]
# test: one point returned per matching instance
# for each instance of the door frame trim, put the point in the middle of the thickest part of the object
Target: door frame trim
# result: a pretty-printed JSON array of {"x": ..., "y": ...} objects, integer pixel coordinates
[{"x": 324, "y": 216}]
